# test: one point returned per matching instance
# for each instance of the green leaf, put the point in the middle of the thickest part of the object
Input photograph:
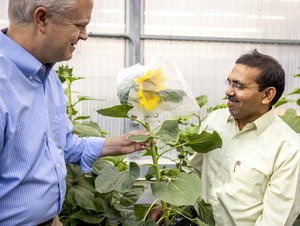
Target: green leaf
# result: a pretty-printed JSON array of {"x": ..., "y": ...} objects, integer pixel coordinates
[
  {"x": 105, "y": 205},
  {"x": 281, "y": 101},
  {"x": 296, "y": 91},
  {"x": 205, "y": 212},
  {"x": 123, "y": 93},
  {"x": 84, "y": 197},
  {"x": 198, "y": 222},
  {"x": 111, "y": 179},
  {"x": 87, "y": 129},
  {"x": 87, "y": 217},
  {"x": 150, "y": 173},
  {"x": 72, "y": 79},
  {"x": 204, "y": 142},
  {"x": 80, "y": 188},
  {"x": 140, "y": 211},
  {"x": 169, "y": 132},
  {"x": 81, "y": 118},
  {"x": 119, "y": 111},
  {"x": 83, "y": 98},
  {"x": 297, "y": 222},
  {"x": 100, "y": 164},
  {"x": 201, "y": 100},
  {"x": 292, "y": 119},
  {"x": 139, "y": 138},
  {"x": 73, "y": 174},
  {"x": 133, "y": 222},
  {"x": 181, "y": 190},
  {"x": 130, "y": 197},
  {"x": 171, "y": 95}
]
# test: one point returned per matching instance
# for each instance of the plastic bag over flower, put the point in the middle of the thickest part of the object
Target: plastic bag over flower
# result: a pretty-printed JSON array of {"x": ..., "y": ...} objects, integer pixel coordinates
[{"x": 156, "y": 89}]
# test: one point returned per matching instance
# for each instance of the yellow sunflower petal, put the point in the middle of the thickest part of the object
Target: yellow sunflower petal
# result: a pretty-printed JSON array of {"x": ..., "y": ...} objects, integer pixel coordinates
[{"x": 148, "y": 85}]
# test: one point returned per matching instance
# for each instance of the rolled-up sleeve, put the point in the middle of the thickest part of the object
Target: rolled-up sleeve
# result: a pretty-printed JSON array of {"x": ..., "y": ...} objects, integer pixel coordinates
[{"x": 82, "y": 151}]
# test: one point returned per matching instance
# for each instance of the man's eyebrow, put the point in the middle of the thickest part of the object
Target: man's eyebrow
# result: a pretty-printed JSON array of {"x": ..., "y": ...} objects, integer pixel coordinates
[{"x": 235, "y": 81}]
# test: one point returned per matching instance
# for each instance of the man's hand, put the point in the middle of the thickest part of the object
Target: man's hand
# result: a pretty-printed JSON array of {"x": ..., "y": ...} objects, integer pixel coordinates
[{"x": 123, "y": 145}]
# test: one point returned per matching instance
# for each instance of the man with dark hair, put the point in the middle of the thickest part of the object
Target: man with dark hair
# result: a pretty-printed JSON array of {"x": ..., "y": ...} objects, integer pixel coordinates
[
  {"x": 36, "y": 137},
  {"x": 253, "y": 179}
]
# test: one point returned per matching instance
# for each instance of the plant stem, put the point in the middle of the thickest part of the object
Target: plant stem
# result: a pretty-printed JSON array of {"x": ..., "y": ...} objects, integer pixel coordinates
[
  {"x": 155, "y": 158},
  {"x": 69, "y": 95}
]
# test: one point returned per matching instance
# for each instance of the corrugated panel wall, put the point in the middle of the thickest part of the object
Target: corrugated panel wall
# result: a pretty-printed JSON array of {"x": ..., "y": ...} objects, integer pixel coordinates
[{"x": 204, "y": 64}]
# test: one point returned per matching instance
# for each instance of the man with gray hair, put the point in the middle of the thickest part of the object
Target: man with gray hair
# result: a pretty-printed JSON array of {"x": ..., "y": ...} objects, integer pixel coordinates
[{"x": 36, "y": 137}]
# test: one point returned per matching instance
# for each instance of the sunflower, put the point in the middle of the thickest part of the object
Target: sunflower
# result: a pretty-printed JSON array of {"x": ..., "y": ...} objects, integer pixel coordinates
[{"x": 148, "y": 86}]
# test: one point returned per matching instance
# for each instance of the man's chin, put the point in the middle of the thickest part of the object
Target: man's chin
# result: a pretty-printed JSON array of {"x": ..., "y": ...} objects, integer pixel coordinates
[
  {"x": 67, "y": 57},
  {"x": 233, "y": 113}
]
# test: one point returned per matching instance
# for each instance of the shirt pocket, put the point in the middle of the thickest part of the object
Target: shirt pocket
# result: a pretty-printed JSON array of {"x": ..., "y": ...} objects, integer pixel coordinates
[
  {"x": 60, "y": 126},
  {"x": 247, "y": 183}
]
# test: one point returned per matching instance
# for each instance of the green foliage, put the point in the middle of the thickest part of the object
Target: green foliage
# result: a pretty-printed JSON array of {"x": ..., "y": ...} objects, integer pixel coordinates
[
  {"x": 187, "y": 187},
  {"x": 178, "y": 187},
  {"x": 108, "y": 195},
  {"x": 102, "y": 197},
  {"x": 66, "y": 76},
  {"x": 171, "y": 95},
  {"x": 292, "y": 119},
  {"x": 287, "y": 98},
  {"x": 291, "y": 116},
  {"x": 84, "y": 205}
]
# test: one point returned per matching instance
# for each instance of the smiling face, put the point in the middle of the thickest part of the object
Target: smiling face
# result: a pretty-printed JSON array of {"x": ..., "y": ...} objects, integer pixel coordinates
[
  {"x": 60, "y": 38},
  {"x": 245, "y": 102}
]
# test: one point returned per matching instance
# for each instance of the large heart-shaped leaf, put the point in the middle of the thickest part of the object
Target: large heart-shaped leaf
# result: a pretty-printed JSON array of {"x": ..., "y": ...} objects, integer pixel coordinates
[
  {"x": 111, "y": 179},
  {"x": 169, "y": 132},
  {"x": 88, "y": 129},
  {"x": 100, "y": 164},
  {"x": 204, "y": 142},
  {"x": 84, "y": 197},
  {"x": 87, "y": 217},
  {"x": 205, "y": 212},
  {"x": 292, "y": 119},
  {"x": 184, "y": 189},
  {"x": 131, "y": 196},
  {"x": 118, "y": 111}
]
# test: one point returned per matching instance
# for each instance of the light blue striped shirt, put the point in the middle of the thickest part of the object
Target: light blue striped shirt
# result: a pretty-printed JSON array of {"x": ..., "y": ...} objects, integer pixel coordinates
[{"x": 35, "y": 139}]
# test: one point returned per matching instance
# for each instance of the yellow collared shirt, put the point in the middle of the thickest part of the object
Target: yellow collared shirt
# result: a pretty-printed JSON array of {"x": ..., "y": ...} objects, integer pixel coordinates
[{"x": 253, "y": 179}]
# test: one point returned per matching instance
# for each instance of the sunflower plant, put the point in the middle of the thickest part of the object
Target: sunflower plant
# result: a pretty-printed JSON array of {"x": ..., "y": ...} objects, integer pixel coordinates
[{"x": 157, "y": 97}]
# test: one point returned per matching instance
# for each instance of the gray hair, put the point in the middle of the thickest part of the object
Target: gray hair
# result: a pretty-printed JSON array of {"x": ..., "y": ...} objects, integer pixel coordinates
[{"x": 21, "y": 11}]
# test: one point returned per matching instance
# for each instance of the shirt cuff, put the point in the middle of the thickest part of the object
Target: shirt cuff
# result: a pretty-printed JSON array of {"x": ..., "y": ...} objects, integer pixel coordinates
[{"x": 91, "y": 153}]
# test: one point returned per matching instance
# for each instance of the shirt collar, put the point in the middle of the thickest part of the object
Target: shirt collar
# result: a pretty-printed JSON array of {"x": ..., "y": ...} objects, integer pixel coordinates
[
  {"x": 260, "y": 124},
  {"x": 27, "y": 63},
  {"x": 263, "y": 121}
]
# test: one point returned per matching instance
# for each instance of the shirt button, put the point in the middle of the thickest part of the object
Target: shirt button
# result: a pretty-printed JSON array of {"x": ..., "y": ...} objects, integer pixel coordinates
[
  {"x": 30, "y": 77},
  {"x": 57, "y": 165},
  {"x": 49, "y": 140}
]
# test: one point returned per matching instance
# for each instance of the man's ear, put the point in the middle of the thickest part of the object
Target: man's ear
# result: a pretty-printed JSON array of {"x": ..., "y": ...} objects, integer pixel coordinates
[
  {"x": 40, "y": 17},
  {"x": 269, "y": 94}
]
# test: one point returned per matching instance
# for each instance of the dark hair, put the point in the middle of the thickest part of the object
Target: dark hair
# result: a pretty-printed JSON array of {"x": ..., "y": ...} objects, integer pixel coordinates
[{"x": 272, "y": 73}]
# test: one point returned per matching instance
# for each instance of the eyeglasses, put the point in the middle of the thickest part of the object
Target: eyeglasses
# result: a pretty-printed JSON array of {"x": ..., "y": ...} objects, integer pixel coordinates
[{"x": 236, "y": 85}]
